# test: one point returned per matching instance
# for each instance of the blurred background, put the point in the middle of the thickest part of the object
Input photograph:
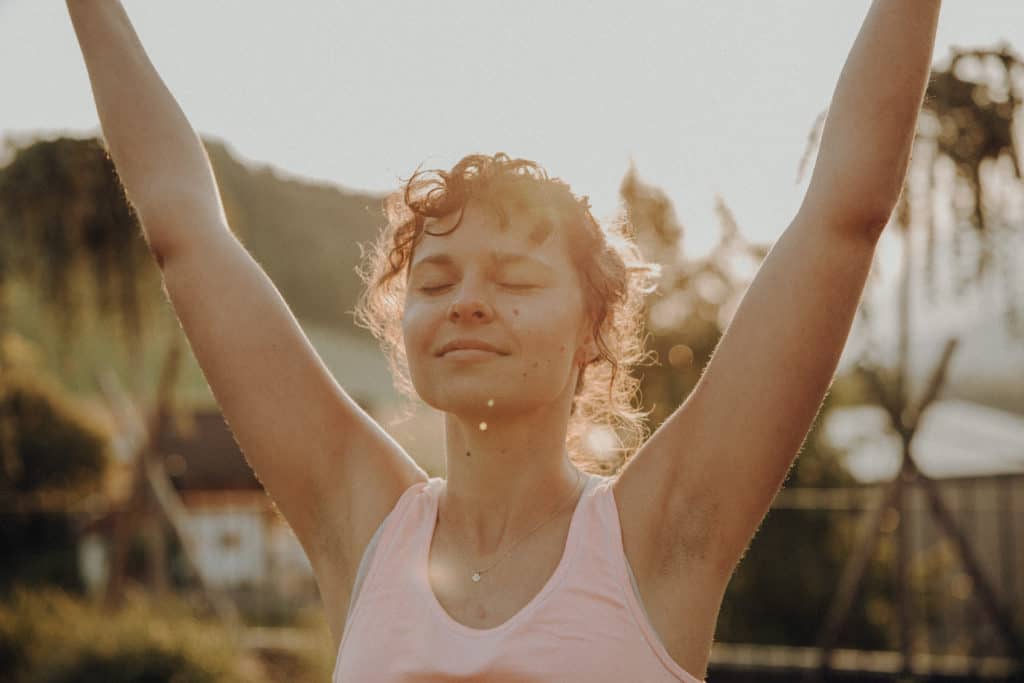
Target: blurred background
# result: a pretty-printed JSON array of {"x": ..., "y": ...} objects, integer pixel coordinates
[{"x": 136, "y": 542}]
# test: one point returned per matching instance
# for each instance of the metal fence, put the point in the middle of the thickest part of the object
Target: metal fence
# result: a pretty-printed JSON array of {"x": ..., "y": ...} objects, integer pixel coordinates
[{"x": 952, "y": 635}]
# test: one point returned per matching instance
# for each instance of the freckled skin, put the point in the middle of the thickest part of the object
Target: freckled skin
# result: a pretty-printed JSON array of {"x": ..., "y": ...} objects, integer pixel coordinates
[
  {"x": 541, "y": 231},
  {"x": 534, "y": 315}
]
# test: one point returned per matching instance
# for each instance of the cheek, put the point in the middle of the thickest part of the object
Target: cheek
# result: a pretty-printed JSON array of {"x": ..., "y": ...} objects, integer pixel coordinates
[
  {"x": 547, "y": 335},
  {"x": 413, "y": 323}
]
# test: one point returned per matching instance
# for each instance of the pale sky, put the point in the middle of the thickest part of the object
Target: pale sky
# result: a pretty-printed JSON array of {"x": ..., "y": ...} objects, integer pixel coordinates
[{"x": 705, "y": 97}]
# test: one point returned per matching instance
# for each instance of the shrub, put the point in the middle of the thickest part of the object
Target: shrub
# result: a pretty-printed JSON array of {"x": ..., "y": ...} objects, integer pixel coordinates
[
  {"x": 48, "y": 636},
  {"x": 52, "y": 444},
  {"x": 53, "y": 454}
]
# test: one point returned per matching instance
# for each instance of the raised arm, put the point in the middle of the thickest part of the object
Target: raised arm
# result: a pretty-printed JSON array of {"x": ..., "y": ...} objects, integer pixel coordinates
[
  {"x": 865, "y": 145},
  {"x": 159, "y": 157},
  {"x": 705, "y": 479},
  {"x": 331, "y": 470}
]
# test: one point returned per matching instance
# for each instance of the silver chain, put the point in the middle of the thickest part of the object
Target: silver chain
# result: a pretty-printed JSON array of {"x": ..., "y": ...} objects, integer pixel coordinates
[{"x": 480, "y": 572}]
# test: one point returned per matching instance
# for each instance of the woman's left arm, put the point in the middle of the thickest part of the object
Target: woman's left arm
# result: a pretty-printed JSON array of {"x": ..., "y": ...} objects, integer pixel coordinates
[
  {"x": 865, "y": 144},
  {"x": 703, "y": 482}
]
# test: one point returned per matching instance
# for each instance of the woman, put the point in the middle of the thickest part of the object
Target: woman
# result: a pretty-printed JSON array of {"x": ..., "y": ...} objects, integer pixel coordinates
[{"x": 514, "y": 312}]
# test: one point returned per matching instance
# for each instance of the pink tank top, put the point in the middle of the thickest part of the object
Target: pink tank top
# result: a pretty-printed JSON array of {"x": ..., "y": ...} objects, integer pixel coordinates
[{"x": 586, "y": 624}]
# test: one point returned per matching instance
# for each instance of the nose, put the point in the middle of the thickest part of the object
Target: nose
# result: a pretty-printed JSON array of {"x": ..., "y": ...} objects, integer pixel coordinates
[
  {"x": 469, "y": 308},
  {"x": 470, "y": 304}
]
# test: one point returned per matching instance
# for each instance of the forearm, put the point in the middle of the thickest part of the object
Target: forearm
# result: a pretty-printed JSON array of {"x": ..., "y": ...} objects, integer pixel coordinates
[
  {"x": 153, "y": 146},
  {"x": 866, "y": 142}
]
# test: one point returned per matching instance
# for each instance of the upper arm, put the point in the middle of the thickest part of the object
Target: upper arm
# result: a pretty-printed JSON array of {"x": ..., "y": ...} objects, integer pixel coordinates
[
  {"x": 714, "y": 466},
  {"x": 329, "y": 467}
]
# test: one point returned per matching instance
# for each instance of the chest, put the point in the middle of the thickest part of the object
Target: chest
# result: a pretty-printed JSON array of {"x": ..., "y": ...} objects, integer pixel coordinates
[
  {"x": 681, "y": 610},
  {"x": 509, "y": 581}
]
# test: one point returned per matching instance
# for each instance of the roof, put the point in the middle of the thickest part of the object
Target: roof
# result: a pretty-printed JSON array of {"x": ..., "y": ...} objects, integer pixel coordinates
[
  {"x": 955, "y": 439},
  {"x": 200, "y": 453}
]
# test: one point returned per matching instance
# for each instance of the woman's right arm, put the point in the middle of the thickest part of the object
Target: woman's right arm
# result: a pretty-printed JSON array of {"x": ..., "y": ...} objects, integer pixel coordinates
[
  {"x": 159, "y": 157},
  {"x": 333, "y": 472}
]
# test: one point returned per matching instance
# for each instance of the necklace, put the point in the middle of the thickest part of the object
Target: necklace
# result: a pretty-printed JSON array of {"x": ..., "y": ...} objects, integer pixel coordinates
[{"x": 478, "y": 574}]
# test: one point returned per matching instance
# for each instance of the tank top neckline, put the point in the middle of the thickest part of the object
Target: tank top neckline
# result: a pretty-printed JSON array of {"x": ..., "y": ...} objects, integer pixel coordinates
[{"x": 550, "y": 585}]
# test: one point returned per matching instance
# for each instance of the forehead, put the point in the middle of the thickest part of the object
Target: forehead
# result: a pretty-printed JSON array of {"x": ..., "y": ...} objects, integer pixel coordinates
[{"x": 530, "y": 231}]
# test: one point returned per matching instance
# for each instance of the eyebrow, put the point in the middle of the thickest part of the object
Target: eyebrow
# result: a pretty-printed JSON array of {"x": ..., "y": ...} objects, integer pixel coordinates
[{"x": 497, "y": 257}]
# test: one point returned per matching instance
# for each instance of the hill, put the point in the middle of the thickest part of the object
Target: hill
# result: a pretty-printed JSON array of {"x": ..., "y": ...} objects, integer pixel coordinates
[{"x": 304, "y": 234}]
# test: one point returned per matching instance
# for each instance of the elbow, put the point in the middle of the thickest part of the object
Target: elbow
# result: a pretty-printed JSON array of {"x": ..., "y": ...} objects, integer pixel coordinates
[
  {"x": 872, "y": 223},
  {"x": 162, "y": 235},
  {"x": 863, "y": 228},
  {"x": 158, "y": 256},
  {"x": 848, "y": 215},
  {"x": 857, "y": 203},
  {"x": 174, "y": 219}
]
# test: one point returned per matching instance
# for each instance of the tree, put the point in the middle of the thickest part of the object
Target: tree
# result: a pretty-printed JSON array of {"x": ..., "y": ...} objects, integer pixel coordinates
[
  {"x": 64, "y": 217},
  {"x": 53, "y": 457},
  {"x": 959, "y": 204}
]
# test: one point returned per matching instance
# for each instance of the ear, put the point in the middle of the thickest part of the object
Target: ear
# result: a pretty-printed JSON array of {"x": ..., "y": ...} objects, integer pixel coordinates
[
  {"x": 586, "y": 345},
  {"x": 587, "y": 351}
]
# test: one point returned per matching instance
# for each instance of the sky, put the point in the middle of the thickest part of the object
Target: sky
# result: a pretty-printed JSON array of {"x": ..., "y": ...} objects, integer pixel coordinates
[{"x": 705, "y": 98}]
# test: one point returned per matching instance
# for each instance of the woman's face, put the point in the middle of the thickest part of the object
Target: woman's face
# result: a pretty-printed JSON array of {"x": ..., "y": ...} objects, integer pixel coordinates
[{"x": 515, "y": 289}]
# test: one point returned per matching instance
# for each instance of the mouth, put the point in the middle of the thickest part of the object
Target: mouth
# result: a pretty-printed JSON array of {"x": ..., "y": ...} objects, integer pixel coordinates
[
  {"x": 470, "y": 354},
  {"x": 458, "y": 345}
]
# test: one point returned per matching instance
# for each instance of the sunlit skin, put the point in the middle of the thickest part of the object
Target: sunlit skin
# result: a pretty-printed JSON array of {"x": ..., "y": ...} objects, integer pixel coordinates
[
  {"x": 689, "y": 499},
  {"x": 506, "y": 415}
]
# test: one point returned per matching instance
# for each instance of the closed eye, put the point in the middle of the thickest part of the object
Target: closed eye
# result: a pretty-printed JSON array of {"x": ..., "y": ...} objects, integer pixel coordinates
[
  {"x": 431, "y": 290},
  {"x": 509, "y": 285}
]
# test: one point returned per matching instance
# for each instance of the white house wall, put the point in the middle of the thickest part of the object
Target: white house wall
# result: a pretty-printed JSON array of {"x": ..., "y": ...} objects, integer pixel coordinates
[{"x": 230, "y": 544}]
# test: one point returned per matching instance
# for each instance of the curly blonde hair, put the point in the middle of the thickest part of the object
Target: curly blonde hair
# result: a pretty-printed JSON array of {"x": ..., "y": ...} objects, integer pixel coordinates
[{"x": 615, "y": 279}]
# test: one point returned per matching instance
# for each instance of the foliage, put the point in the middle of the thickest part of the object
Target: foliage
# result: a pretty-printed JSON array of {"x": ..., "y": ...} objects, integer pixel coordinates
[
  {"x": 77, "y": 280},
  {"x": 61, "y": 210},
  {"x": 972, "y": 106},
  {"x": 39, "y": 548},
  {"x": 783, "y": 587},
  {"x": 689, "y": 310},
  {"x": 51, "y": 445},
  {"x": 70, "y": 230},
  {"x": 51, "y": 637},
  {"x": 52, "y": 455},
  {"x": 964, "y": 180},
  {"x": 307, "y": 236}
]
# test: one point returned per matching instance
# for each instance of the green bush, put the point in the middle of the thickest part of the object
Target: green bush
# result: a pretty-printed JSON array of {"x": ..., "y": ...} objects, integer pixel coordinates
[
  {"x": 51, "y": 444},
  {"x": 48, "y": 636},
  {"x": 53, "y": 453}
]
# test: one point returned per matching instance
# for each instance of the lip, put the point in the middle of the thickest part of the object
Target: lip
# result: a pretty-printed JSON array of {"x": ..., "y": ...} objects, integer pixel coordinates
[
  {"x": 467, "y": 345},
  {"x": 470, "y": 354}
]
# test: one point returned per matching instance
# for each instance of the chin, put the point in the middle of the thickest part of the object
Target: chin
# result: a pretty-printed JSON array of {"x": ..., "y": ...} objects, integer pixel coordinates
[
  {"x": 469, "y": 403},
  {"x": 468, "y": 394}
]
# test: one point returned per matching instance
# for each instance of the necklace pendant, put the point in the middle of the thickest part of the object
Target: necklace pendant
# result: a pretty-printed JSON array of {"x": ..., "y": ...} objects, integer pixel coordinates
[{"x": 476, "y": 576}]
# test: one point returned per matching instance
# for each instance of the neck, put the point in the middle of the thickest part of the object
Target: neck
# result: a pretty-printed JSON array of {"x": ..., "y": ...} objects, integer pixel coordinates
[{"x": 505, "y": 480}]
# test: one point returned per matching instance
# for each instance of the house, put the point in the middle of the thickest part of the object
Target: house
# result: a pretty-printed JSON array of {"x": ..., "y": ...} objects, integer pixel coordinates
[{"x": 241, "y": 540}]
